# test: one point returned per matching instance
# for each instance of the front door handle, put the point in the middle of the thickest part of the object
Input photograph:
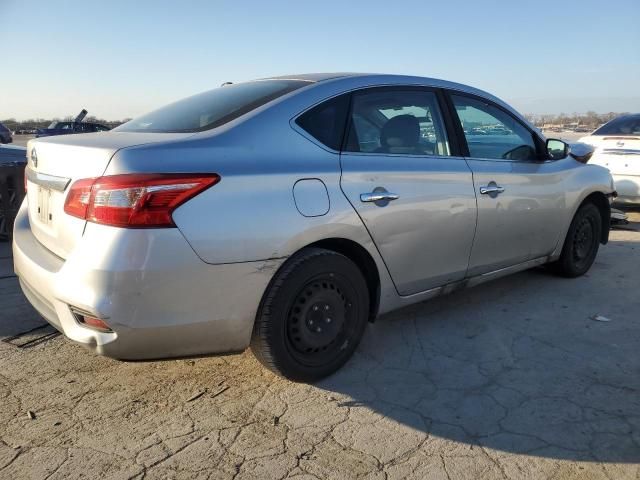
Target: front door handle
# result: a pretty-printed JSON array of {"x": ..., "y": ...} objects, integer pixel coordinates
[
  {"x": 378, "y": 196},
  {"x": 492, "y": 189}
]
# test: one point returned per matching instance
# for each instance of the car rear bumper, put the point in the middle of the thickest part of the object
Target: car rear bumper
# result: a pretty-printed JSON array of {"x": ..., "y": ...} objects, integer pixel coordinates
[
  {"x": 157, "y": 296},
  {"x": 628, "y": 188}
]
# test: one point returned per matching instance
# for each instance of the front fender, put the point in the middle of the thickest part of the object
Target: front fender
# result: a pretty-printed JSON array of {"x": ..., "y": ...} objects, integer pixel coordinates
[{"x": 585, "y": 181}]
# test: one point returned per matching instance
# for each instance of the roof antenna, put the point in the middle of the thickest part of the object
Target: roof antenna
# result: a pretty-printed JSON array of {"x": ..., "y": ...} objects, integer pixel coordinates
[{"x": 226, "y": 83}]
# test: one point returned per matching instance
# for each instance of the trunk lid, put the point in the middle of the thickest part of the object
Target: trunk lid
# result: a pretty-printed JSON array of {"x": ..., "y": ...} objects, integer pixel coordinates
[
  {"x": 54, "y": 163},
  {"x": 620, "y": 154}
]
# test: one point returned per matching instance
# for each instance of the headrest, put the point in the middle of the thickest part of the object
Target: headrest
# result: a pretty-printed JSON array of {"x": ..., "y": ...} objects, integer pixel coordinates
[{"x": 402, "y": 131}]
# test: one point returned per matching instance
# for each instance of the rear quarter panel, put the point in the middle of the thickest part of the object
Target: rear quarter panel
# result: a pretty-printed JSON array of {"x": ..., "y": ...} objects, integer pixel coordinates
[{"x": 251, "y": 213}]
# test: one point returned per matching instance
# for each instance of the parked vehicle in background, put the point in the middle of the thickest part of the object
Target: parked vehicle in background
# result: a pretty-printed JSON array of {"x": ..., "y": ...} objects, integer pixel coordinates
[
  {"x": 12, "y": 162},
  {"x": 617, "y": 147},
  {"x": 12, "y": 154},
  {"x": 66, "y": 128},
  {"x": 286, "y": 213},
  {"x": 26, "y": 131},
  {"x": 71, "y": 127},
  {"x": 5, "y": 134}
]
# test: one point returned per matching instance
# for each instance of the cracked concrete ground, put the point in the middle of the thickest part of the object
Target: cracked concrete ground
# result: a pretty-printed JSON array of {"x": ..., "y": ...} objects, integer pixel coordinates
[{"x": 512, "y": 379}]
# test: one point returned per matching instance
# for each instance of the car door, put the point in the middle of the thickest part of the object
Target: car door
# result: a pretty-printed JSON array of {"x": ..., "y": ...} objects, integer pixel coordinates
[
  {"x": 414, "y": 195},
  {"x": 519, "y": 192}
]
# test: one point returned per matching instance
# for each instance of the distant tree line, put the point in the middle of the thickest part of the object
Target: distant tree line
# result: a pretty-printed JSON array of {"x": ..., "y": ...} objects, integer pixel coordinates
[
  {"x": 33, "y": 123},
  {"x": 589, "y": 119}
]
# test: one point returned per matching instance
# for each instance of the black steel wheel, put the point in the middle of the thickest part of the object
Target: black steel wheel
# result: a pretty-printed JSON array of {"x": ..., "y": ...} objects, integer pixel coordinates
[
  {"x": 312, "y": 316},
  {"x": 582, "y": 242}
]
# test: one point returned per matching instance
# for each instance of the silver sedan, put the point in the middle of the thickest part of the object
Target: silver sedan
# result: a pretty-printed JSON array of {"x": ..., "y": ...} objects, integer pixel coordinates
[{"x": 286, "y": 213}]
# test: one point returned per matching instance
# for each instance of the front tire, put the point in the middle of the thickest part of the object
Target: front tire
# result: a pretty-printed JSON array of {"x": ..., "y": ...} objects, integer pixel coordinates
[
  {"x": 581, "y": 245},
  {"x": 312, "y": 316}
]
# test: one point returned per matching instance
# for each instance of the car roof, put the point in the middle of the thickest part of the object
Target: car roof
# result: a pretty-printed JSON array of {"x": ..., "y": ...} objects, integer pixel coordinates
[
  {"x": 314, "y": 77},
  {"x": 354, "y": 80},
  {"x": 373, "y": 79}
]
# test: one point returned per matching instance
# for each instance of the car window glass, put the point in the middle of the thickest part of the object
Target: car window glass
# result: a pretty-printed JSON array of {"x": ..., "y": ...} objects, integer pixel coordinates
[
  {"x": 621, "y": 126},
  {"x": 326, "y": 121},
  {"x": 213, "y": 108},
  {"x": 492, "y": 133},
  {"x": 391, "y": 121}
]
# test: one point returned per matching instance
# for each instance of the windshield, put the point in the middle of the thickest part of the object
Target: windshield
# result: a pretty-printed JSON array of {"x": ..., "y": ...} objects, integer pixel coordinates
[
  {"x": 53, "y": 124},
  {"x": 211, "y": 109},
  {"x": 628, "y": 125}
]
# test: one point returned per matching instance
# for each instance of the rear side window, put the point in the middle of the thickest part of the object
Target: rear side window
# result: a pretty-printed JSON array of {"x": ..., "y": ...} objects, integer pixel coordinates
[
  {"x": 326, "y": 122},
  {"x": 213, "y": 108},
  {"x": 621, "y": 126}
]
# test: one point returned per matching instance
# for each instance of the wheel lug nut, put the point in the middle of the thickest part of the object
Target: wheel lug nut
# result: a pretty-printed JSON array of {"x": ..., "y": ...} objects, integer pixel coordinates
[
  {"x": 315, "y": 308},
  {"x": 328, "y": 320},
  {"x": 310, "y": 322},
  {"x": 318, "y": 329},
  {"x": 326, "y": 307}
]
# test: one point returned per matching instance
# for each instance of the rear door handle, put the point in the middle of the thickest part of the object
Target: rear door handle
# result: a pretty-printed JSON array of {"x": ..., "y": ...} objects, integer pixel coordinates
[
  {"x": 378, "y": 196},
  {"x": 492, "y": 189}
]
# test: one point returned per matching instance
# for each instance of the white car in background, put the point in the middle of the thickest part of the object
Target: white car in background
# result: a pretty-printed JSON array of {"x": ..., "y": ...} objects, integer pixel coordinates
[{"x": 617, "y": 147}]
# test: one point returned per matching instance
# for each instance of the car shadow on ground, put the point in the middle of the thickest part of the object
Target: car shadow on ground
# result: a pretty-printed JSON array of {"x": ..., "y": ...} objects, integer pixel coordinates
[
  {"x": 521, "y": 365},
  {"x": 16, "y": 315}
]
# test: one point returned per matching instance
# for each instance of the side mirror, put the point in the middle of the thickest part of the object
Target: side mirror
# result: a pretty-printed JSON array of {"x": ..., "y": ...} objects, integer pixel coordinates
[
  {"x": 581, "y": 152},
  {"x": 557, "y": 149}
]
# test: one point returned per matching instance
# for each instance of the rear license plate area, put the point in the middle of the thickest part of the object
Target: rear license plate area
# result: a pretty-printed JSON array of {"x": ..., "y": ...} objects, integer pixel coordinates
[{"x": 44, "y": 203}]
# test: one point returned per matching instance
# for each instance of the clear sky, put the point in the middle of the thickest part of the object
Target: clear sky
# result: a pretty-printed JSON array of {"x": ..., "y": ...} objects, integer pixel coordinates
[{"x": 121, "y": 58}]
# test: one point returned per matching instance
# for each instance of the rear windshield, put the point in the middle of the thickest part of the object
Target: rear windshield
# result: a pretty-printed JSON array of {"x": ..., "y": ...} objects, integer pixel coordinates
[
  {"x": 629, "y": 125},
  {"x": 211, "y": 109}
]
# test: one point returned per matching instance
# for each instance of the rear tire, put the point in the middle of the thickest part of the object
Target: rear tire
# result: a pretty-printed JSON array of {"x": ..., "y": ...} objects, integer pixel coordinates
[
  {"x": 581, "y": 244},
  {"x": 312, "y": 316}
]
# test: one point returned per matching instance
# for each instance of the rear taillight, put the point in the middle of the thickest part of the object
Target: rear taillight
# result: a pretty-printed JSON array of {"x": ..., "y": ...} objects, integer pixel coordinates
[
  {"x": 77, "y": 200},
  {"x": 134, "y": 200}
]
